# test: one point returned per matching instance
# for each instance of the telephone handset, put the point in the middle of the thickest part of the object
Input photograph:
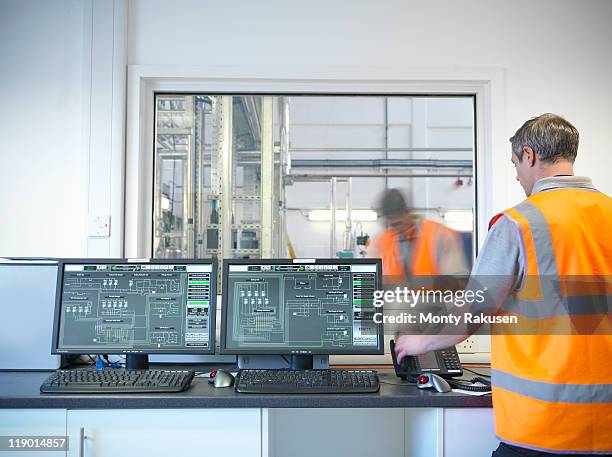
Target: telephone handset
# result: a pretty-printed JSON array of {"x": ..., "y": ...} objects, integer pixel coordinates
[{"x": 444, "y": 362}]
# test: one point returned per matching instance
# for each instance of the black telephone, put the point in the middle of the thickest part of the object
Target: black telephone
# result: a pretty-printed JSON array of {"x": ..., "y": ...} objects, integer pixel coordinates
[{"x": 444, "y": 362}]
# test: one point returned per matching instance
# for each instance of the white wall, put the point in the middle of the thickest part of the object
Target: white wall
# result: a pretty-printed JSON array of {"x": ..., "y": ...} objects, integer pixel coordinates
[
  {"x": 556, "y": 53},
  {"x": 41, "y": 52},
  {"x": 556, "y": 56}
]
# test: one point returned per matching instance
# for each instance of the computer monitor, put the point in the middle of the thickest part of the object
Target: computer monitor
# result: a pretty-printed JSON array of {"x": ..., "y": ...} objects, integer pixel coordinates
[
  {"x": 135, "y": 307},
  {"x": 300, "y": 308}
]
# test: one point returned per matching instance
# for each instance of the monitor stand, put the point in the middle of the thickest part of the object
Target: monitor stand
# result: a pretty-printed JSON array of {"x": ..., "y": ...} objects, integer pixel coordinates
[
  {"x": 136, "y": 362},
  {"x": 301, "y": 362},
  {"x": 263, "y": 362}
]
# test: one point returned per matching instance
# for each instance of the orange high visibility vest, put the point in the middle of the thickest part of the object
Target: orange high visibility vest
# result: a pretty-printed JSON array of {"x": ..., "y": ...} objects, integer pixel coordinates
[
  {"x": 424, "y": 253},
  {"x": 553, "y": 392}
]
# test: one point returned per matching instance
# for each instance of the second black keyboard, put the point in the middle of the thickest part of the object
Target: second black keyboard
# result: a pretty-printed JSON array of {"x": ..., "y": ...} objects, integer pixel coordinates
[
  {"x": 116, "y": 381},
  {"x": 330, "y": 381}
]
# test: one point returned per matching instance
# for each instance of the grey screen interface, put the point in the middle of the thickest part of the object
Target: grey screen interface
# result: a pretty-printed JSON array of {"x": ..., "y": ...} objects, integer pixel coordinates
[
  {"x": 136, "y": 307},
  {"x": 294, "y": 308}
]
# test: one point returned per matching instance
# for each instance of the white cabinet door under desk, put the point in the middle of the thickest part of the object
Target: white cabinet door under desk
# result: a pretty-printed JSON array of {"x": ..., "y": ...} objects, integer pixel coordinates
[
  {"x": 469, "y": 432},
  {"x": 33, "y": 422},
  {"x": 335, "y": 432},
  {"x": 163, "y": 433},
  {"x": 389, "y": 432}
]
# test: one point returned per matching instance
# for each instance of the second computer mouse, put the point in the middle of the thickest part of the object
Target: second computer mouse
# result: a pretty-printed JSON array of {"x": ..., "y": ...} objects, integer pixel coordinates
[
  {"x": 426, "y": 380},
  {"x": 222, "y": 378}
]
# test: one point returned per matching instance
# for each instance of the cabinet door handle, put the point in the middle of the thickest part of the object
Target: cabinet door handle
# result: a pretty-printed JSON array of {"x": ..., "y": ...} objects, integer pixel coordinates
[{"x": 82, "y": 442}]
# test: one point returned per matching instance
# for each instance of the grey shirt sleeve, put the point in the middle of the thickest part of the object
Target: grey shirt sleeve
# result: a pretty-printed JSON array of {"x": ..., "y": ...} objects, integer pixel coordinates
[{"x": 500, "y": 266}]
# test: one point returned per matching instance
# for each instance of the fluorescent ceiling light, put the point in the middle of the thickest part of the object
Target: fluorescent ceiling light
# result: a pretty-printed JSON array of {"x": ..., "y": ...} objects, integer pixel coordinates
[{"x": 324, "y": 215}]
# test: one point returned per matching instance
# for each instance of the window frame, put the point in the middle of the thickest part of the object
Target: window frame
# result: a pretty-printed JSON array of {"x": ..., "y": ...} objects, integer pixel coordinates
[{"x": 486, "y": 85}]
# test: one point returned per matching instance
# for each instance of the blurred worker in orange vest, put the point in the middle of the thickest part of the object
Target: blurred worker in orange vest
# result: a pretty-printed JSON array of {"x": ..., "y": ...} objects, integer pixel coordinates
[
  {"x": 414, "y": 246},
  {"x": 552, "y": 391}
]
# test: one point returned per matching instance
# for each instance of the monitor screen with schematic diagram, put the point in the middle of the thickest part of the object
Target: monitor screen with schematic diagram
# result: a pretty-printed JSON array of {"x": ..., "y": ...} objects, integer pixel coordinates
[
  {"x": 136, "y": 308},
  {"x": 301, "y": 307}
]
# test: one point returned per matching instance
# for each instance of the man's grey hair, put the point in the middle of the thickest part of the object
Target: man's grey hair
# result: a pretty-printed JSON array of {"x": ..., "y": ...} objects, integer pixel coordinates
[{"x": 550, "y": 136}]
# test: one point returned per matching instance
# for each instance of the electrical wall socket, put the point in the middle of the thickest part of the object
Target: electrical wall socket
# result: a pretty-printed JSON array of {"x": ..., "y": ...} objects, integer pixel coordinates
[
  {"x": 99, "y": 225},
  {"x": 475, "y": 349},
  {"x": 468, "y": 345}
]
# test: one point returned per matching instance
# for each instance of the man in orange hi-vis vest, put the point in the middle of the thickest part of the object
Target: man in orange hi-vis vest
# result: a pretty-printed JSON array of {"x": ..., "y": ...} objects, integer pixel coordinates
[
  {"x": 414, "y": 246},
  {"x": 552, "y": 392}
]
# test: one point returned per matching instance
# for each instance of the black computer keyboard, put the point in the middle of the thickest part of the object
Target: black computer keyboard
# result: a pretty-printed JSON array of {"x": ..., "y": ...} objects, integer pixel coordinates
[
  {"x": 307, "y": 381},
  {"x": 116, "y": 381}
]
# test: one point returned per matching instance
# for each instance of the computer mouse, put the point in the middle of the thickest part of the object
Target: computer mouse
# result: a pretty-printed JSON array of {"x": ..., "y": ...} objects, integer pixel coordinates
[
  {"x": 426, "y": 380},
  {"x": 222, "y": 378}
]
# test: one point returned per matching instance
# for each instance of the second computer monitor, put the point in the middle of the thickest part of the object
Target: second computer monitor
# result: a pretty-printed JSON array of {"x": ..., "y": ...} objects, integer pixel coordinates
[{"x": 301, "y": 307}]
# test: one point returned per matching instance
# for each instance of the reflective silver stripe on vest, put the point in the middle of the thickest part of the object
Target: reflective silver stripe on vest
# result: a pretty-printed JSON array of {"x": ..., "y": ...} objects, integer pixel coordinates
[
  {"x": 546, "y": 391},
  {"x": 542, "y": 239},
  {"x": 545, "y": 258},
  {"x": 553, "y": 303}
]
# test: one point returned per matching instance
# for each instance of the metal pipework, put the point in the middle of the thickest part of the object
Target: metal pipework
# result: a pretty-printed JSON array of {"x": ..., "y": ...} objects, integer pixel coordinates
[
  {"x": 382, "y": 149},
  {"x": 386, "y": 136},
  {"x": 283, "y": 170},
  {"x": 317, "y": 177},
  {"x": 188, "y": 201},
  {"x": 286, "y": 160},
  {"x": 227, "y": 173},
  {"x": 201, "y": 206},
  {"x": 347, "y": 240},
  {"x": 253, "y": 117},
  {"x": 381, "y": 163},
  {"x": 332, "y": 225},
  {"x": 267, "y": 179}
]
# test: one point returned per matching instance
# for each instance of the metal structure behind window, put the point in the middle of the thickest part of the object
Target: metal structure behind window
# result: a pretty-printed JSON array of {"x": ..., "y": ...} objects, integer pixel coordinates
[{"x": 214, "y": 168}]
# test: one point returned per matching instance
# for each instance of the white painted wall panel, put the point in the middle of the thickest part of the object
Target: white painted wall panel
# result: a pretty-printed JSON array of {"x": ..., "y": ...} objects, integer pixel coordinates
[
  {"x": 450, "y": 112},
  {"x": 399, "y": 136},
  {"x": 450, "y": 137},
  {"x": 324, "y": 110},
  {"x": 400, "y": 110},
  {"x": 40, "y": 127},
  {"x": 336, "y": 136}
]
